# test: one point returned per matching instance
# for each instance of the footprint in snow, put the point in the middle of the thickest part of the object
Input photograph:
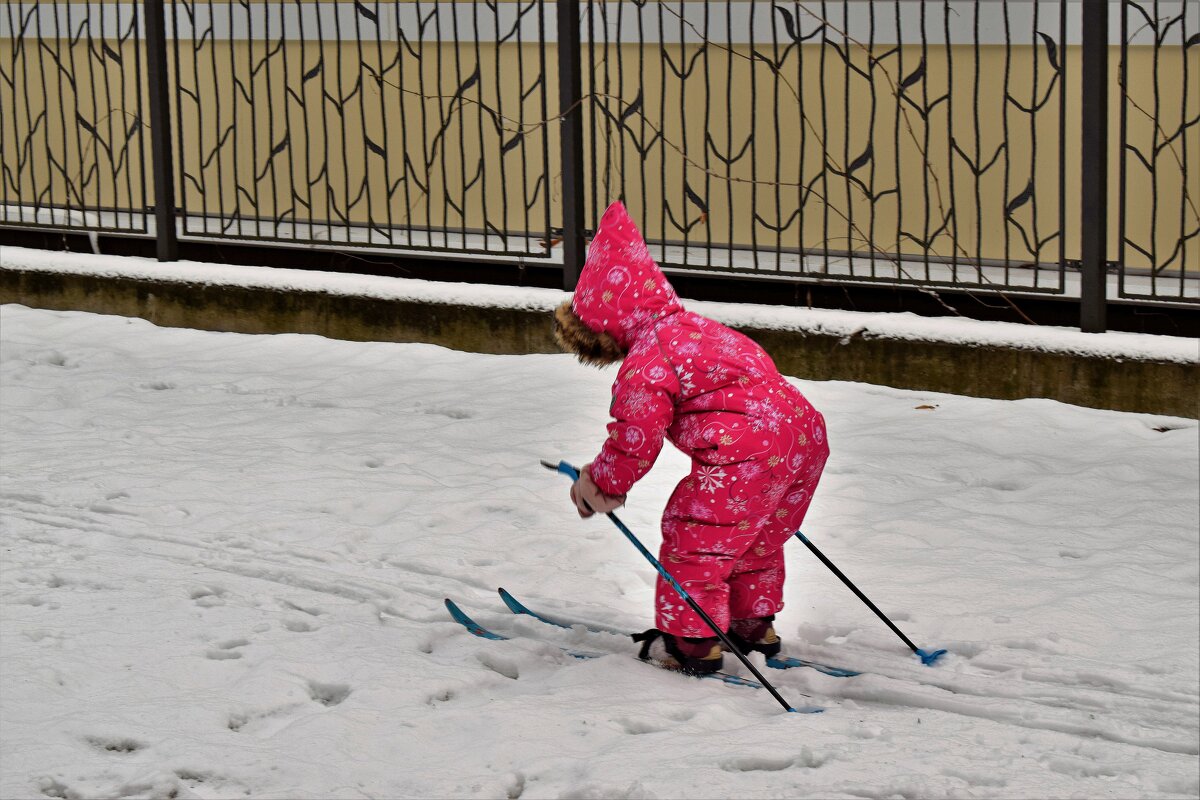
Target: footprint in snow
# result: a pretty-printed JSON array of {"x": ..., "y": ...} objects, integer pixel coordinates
[
  {"x": 208, "y": 596},
  {"x": 50, "y": 787},
  {"x": 204, "y": 784},
  {"x": 328, "y": 694},
  {"x": 53, "y": 358},
  {"x": 805, "y": 759},
  {"x": 226, "y": 651},
  {"x": 300, "y": 626},
  {"x": 262, "y": 723},
  {"x": 756, "y": 764},
  {"x": 115, "y": 744},
  {"x": 638, "y": 727},
  {"x": 266, "y": 722}
]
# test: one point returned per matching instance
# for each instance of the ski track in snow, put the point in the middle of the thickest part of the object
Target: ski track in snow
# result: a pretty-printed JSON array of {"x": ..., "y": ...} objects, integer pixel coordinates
[{"x": 224, "y": 559}]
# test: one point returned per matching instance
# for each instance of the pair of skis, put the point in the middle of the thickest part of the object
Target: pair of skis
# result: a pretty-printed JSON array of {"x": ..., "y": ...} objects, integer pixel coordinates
[
  {"x": 517, "y": 607},
  {"x": 927, "y": 657}
]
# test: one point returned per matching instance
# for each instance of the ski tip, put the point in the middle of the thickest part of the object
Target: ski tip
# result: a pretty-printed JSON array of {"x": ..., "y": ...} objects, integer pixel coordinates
[
  {"x": 510, "y": 601},
  {"x": 928, "y": 658},
  {"x": 806, "y": 710}
]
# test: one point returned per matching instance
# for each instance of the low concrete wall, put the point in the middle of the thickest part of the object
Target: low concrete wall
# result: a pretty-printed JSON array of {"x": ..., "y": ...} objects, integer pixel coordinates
[
  {"x": 1007, "y": 374},
  {"x": 1004, "y": 373}
]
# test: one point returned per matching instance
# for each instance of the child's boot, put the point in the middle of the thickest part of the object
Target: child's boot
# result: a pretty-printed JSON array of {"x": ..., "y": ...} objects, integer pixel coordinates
[
  {"x": 691, "y": 655},
  {"x": 756, "y": 634}
]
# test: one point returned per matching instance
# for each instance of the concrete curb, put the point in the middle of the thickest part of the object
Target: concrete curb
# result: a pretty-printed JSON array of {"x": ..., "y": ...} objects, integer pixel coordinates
[{"x": 1147, "y": 386}]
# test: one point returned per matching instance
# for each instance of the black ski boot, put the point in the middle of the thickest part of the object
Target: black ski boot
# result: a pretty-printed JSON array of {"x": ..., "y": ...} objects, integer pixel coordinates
[
  {"x": 687, "y": 654},
  {"x": 756, "y": 634}
]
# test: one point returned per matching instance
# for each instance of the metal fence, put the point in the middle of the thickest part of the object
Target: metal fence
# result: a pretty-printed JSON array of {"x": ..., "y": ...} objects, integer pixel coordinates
[
  {"x": 955, "y": 143},
  {"x": 1159, "y": 139},
  {"x": 405, "y": 125},
  {"x": 73, "y": 151},
  {"x": 839, "y": 139}
]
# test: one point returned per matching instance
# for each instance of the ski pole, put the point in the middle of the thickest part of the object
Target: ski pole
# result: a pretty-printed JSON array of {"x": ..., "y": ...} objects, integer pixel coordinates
[
  {"x": 572, "y": 473},
  {"x": 927, "y": 658}
]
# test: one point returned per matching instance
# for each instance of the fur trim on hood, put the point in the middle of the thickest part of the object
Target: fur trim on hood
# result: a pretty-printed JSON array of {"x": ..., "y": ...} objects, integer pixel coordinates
[{"x": 596, "y": 349}]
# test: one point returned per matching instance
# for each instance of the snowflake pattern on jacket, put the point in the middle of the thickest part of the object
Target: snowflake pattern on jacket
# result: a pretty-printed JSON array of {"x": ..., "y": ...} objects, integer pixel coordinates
[{"x": 757, "y": 446}]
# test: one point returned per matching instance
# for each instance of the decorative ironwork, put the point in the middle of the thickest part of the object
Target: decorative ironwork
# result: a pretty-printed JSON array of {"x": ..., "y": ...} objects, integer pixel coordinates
[
  {"x": 72, "y": 151},
  {"x": 413, "y": 125},
  {"x": 892, "y": 141},
  {"x": 926, "y": 143},
  {"x": 1158, "y": 213}
]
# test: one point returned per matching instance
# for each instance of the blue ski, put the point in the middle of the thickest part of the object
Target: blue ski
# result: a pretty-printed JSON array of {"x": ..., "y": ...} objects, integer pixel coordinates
[
  {"x": 791, "y": 662},
  {"x": 778, "y": 662},
  {"x": 476, "y": 629}
]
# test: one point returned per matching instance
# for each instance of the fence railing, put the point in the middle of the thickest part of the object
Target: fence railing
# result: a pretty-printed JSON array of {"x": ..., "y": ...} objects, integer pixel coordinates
[
  {"x": 902, "y": 149},
  {"x": 1159, "y": 138},
  {"x": 966, "y": 144},
  {"x": 73, "y": 150}
]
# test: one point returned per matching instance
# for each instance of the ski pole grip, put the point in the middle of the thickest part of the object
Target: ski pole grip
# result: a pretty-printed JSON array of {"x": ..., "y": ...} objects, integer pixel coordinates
[
  {"x": 568, "y": 470},
  {"x": 563, "y": 467}
]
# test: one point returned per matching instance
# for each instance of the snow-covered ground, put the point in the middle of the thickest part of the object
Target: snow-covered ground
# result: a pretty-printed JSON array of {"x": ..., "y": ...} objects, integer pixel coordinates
[{"x": 224, "y": 559}]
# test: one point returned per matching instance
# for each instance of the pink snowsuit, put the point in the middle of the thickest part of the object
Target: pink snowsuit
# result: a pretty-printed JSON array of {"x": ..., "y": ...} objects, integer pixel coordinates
[{"x": 757, "y": 446}]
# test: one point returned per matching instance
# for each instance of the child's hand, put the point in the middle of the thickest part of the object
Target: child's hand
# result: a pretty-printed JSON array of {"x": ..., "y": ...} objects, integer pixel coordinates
[{"x": 588, "y": 498}]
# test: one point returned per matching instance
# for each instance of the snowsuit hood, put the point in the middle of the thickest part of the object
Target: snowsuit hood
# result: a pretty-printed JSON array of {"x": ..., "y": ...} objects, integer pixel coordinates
[{"x": 621, "y": 290}]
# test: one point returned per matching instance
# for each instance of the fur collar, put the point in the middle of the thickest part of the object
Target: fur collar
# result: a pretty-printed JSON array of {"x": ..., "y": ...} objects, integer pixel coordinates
[{"x": 573, "y": 336}]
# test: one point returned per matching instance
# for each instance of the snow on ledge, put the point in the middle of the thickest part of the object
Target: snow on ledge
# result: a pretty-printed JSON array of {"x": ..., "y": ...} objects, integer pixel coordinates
[{"x": 824, "y": 322}]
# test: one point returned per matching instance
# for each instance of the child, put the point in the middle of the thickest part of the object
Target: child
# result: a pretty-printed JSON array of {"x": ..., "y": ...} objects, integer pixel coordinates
[{"x": 757, "y": 447}]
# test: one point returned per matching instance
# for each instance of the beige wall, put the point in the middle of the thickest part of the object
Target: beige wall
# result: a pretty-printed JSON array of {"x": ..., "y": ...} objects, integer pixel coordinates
[
  {"x": 47, "y": 155},
  {"x": 326, "y": 164}
]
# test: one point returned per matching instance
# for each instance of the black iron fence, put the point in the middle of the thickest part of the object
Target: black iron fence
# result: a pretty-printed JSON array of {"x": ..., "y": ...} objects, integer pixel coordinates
[
  {"x": 73, "y": 151},
  {"x": 413, "y": 125},
  {"x": 1159, "y": 140},
  {"x": 949, "y": 143}
]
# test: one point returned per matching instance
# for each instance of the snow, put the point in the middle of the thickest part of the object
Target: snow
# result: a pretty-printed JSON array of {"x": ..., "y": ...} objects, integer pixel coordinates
[
  {"x": 903, "y": 326},
  {"x": 225, "y": 559},
  {"x": 225, "y": 556}
]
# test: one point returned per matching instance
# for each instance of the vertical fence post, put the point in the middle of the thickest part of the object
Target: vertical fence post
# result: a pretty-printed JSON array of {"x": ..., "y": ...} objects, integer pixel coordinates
[
  {"x": 1093, "y": 187},
  {"x": 570, "y": 93},
  {"x": 160, "y": 131}
]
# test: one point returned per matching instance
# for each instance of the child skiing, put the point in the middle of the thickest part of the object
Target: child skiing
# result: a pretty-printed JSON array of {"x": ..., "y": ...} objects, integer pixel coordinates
[{"x": 757, "y": 447}]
